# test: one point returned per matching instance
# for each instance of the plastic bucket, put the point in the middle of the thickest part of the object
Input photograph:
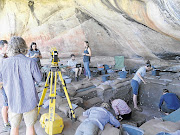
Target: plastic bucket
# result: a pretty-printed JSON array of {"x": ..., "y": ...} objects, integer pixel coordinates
[
  {"x": 105, "y": 78},
  {"x": 102, "y": 72},
  {"x": 122, "y": 74},
  {"x": 155, "y": 72}
]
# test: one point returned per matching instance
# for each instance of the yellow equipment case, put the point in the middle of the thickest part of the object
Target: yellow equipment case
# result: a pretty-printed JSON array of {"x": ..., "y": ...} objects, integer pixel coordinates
[{"x": 57, "y": 123}]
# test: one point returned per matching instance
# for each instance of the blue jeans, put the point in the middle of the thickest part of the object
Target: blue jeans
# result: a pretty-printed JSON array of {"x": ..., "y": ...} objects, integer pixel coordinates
[
  {"x": 165, "y": 109},
  {"x": 5, "y": 100},
  {"x": 163, "y": 133},
  {"x": 86, "y": 66},
  {"x": 87, "y": 128}
]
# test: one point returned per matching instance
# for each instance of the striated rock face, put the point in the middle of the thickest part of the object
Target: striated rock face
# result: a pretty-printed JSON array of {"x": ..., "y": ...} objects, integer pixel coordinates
[{"x": 148, "y": 29}]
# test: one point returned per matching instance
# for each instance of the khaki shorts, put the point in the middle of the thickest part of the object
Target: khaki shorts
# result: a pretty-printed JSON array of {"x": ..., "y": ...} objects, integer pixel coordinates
[{"x": 30, "y": 118}]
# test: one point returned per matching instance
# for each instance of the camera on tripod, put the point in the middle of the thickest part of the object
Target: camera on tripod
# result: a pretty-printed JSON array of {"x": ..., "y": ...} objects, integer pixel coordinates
[
  {"x": 51, "y": 121},
  {"x": 54, "y": 57}
]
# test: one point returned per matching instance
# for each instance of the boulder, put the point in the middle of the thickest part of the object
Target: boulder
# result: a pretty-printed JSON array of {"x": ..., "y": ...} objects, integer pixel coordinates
[
  {"x": 104, "y": 87},
  {"x": 119, "y": 85},
  {"x": 79, "y": 112},
  {"x": 60, "y": 101},
  {"x": 110, "y": 130},
  {"x": 96, "y": 82},
  {"x": 91, "y": 102},
  {"x": 155, "y": 126}
]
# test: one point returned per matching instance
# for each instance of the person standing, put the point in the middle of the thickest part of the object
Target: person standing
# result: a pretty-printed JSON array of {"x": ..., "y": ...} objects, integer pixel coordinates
[
  {"x": 19, "y": 75},
  {"x": 121, "y": 109},
  {"x": 86, "y": 59},
  {"x": 35, "y": 53},
  {"x": 136, "y": 80},
  {"x": 170, "y": 100},
  {"x": 7, "y": 126}
]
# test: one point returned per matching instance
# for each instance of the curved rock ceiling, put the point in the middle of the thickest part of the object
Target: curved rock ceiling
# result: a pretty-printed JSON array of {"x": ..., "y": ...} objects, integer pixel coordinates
[{"x": 147, "y": 29}]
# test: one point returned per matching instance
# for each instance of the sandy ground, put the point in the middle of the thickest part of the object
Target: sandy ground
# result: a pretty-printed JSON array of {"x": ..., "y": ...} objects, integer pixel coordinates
[{"x": 70, "y": 128}]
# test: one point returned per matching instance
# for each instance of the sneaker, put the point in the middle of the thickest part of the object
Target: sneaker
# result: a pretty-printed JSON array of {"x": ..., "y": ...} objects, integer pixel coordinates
[
  {"x": 7, "y": 128},
  {"x": 158, "y": 118},
  {"x": 90, "y": 78}
]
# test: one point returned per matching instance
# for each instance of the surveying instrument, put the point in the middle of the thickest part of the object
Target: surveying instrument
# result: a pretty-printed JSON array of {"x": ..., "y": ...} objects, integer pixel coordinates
[{"x": 51, "y": 121}]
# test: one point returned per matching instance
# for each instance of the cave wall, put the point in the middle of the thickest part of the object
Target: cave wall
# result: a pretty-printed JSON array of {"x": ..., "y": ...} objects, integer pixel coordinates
[{"x": 133, "y": 28}]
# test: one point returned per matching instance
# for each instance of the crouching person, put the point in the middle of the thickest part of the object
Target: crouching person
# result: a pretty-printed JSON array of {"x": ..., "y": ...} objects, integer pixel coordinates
[
  {"x": 170, "y": 100},
  {"x": 18, "y": 75},
  {"x": 97, "y": 118},
  {"x": 121, "y": 109}
]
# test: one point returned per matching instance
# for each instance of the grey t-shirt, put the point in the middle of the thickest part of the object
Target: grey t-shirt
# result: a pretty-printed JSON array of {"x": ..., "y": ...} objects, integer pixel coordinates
[{"x": 142, "y": 72}]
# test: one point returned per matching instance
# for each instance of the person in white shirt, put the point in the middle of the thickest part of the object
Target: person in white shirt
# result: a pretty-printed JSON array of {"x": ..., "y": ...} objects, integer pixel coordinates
[{"x": 72, "y": 64}]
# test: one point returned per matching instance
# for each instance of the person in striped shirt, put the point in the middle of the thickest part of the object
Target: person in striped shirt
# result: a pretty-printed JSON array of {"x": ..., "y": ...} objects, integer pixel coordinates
[
  {"x": 121, "y": 109},
  {"x": 19, "y": 74}
]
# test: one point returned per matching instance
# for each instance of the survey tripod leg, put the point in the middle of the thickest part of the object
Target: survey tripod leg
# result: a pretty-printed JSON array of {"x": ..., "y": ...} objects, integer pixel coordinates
[
  {"x": 67, "y": 96},
  {"x": 52, "y": 97},
  {"x": 52, "y": 102},
  {"x": 44, "y": 93}
]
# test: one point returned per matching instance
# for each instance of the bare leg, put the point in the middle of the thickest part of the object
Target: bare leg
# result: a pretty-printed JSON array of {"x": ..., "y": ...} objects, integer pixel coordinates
[
  {"x": 135, "y": 102},
  {"x": 80, "y": 71},
  {"x": 76, "y": 72},
  {"x": 5, "y": 114},
  {"x": 30, "y": 130},
  {"x": 15, "y": 131}
]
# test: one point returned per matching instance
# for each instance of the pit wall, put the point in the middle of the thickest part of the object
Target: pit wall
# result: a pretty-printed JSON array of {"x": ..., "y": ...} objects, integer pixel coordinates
[{"x": 150, "y": 93}]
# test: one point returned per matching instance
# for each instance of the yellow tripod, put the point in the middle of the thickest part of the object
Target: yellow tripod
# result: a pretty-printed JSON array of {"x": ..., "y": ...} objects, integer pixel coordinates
[{"x": 54, "y": 70}]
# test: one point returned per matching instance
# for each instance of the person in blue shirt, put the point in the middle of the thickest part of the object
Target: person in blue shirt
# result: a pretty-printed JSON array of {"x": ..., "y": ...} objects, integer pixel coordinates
[
  {"x": 7, "y": 126},
  {"x": 35, "y": 54},
  {"x": 18, "y": 75},
  {"x": 86, "y": 59},
  {"x": 97, "y": 118},
  {"x": 170, "y": 100}
]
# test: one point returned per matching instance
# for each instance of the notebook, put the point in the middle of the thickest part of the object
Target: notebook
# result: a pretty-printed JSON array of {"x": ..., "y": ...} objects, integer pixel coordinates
[{"x": 78, "y": 65}]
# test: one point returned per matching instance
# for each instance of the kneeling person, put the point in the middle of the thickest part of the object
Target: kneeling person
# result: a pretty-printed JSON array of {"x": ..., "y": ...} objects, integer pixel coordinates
[
  {"x": 72, "y": 64},
  {"x": 171, "y": 100},
  {"x": 97, "y": 118},
  {"x": 121, "y": 109}
]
